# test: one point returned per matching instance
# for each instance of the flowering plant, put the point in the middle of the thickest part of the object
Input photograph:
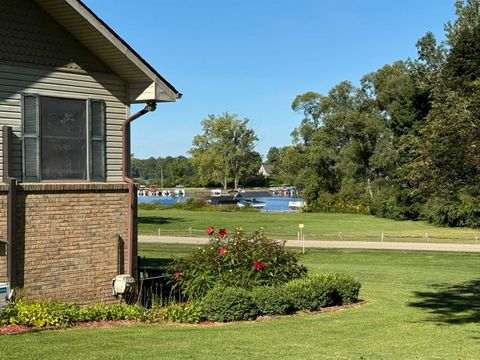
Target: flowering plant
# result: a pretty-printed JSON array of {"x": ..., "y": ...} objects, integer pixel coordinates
[{"x": 239, "y": 260}]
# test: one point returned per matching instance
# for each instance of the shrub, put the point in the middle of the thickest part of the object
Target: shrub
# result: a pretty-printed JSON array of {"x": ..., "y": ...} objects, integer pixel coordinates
[
  {"x": 462, "y": 210},
  {"x": 322, "y": 290},
  {"x": 48, "y": 313},
  {"x": 272, "y": 300},
  {"x": 229, "y": 304},
  {"x": 191, "y": 204},
  {"x": 39, "y": 314},
  {"x": 238, "y": 261},
  {"x": 180, "y": 313},
  {"x": 348, "y": 288}
]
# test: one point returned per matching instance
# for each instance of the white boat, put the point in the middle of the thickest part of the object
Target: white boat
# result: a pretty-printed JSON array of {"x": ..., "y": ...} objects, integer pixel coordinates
[
  {"x": 296, "y": 205},
  {"x": 216, "y": 192},
  {"x": 252, "y": 202}
]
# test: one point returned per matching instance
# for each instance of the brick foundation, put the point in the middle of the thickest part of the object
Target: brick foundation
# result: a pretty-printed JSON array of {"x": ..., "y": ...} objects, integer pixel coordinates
[{"x": 71, "y": 240}]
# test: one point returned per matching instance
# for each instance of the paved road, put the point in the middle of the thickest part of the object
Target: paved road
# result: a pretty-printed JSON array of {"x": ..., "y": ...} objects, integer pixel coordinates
[{"x": 330, "y": 244}]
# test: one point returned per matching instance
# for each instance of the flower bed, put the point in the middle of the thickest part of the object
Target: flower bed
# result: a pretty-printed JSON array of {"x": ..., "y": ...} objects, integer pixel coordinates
[{"x": 237, "y": 277}]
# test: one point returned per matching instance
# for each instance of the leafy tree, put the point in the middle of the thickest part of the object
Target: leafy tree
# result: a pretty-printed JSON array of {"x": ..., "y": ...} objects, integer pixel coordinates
[
  {"x": 224, "y": 152},
  {"x": 273, "y": 155}
]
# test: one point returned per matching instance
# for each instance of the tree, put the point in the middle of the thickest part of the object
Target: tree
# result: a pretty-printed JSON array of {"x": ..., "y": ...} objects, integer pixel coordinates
[
  {"x": 273, "y": 155},
  {"x": 224, "y": 152}
]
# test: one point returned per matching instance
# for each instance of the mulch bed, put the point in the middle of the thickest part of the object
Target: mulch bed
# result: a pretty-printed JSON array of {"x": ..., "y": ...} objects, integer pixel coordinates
[{"x": 20, "y": 329}]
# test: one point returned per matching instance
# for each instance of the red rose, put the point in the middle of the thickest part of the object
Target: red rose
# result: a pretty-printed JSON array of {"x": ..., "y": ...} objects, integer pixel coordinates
[
  {"x": 222, "y": 250},
  {"x": 258, "y": 265},
  {"x": 222, "y": 232},
  {"x": 210, "y": 230}
]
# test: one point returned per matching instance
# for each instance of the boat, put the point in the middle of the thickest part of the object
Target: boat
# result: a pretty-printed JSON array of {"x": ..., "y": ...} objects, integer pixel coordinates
[
  {"x": 224, "y": 200},
  {"x": 252, "y": 202},
  {"x": 296, "y": 205},
  {"x": 216, "y": 192}
]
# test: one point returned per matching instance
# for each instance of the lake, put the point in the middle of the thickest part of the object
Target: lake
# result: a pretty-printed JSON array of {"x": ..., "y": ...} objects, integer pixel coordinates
[{"x": 272, "y": 203}]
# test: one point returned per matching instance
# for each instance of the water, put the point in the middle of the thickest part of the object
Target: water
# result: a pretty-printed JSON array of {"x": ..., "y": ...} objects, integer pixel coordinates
[
  {"x": 272, "y": 204},
  {"x": 276, "y": 203},
  {"x": 166, "y": 200}
]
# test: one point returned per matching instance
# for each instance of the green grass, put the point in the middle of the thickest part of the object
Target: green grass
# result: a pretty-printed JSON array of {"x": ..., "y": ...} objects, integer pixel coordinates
[
  {"x": 318, "y": 226},
  {"x": 422, "y": 305}
]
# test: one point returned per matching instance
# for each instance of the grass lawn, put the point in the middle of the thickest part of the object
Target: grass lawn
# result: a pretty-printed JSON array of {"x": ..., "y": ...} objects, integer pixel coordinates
[
  {"x": 318, "y": 226},
  {"x": 422, "y": 305}
]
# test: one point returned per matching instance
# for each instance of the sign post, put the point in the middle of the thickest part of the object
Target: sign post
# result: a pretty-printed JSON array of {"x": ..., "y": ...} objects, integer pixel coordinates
[{"x": 302, "y": 237}]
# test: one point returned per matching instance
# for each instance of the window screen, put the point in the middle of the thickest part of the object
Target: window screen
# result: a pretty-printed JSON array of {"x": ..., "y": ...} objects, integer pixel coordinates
[{"x": 63, "y": 139}]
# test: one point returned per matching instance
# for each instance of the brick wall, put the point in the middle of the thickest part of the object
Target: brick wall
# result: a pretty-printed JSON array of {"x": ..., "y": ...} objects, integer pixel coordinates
[{"x": 68, "y": 240}]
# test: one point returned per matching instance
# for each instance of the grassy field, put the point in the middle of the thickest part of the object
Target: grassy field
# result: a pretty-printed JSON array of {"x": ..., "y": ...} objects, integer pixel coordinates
[
  {"x": 420, "y": 306},
  {"x": 318, "y": 226}
]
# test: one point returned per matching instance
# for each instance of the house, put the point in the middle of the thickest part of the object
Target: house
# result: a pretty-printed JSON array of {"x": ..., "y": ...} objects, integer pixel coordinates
[
  {"x": 67, "y": 202},
  {"x": 266, "y": 170}
]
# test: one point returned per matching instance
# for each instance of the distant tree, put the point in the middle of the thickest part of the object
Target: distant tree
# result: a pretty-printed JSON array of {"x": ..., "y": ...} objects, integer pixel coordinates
[
  {"x": 224, "y": 153},
  {"x": 273, "y": 155}
]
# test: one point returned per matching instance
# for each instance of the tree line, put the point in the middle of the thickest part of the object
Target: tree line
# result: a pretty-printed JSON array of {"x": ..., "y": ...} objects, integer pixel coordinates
[{"x": 405, "y": 143}]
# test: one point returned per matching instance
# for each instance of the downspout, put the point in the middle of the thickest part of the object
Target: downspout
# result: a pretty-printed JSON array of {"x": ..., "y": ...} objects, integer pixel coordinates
[
  {"x": 150, "y": 106},
  {"x": 8, "y": 178}
]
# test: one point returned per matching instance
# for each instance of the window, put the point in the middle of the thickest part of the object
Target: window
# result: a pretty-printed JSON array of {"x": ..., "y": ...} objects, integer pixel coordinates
[{"x": 63, "y": 139}]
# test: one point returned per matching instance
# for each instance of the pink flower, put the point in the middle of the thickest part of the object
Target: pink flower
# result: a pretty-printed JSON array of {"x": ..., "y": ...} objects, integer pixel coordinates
[
  {"x": 222, "y": 232},
  {"x": 177, "y": 275},
  {"x": 210, "y": 230},
  {"x": 222, "y": 250},
  {"x": 258, "y": 265}
]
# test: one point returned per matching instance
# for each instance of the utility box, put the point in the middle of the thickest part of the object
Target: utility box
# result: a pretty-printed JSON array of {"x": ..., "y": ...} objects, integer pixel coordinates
[
  {"x": 121, "y": 283},
  {"x": 4, "y": 294}
]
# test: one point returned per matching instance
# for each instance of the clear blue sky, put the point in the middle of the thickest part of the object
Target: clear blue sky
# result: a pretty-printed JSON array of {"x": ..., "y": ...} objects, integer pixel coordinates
[{"x": 252, "y": 57}]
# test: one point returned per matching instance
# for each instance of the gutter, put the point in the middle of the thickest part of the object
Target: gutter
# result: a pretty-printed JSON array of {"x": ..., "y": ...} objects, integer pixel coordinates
[{"x": 150, "y": 106}]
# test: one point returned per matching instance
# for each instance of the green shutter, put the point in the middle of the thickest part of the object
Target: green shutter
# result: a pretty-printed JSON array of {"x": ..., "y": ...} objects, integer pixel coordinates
[
  {"x": 97, "y": 140},
  {"x": 30, "y": 138}
]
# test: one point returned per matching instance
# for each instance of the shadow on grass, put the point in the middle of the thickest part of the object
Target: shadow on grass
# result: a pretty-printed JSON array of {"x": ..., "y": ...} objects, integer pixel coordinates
[
  {"x": 451, "y": 304},
  {"x": 156, "y": 263},
  {"x": 158, "y": 220}
]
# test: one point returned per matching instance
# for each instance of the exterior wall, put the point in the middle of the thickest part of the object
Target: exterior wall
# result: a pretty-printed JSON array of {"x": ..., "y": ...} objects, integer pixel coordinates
[
  {"x": 28, "y": 35},
  {"x": 70, "y": 240},
  {"x": 38, "y": 56},
  {"x": 16, "y": 79}
]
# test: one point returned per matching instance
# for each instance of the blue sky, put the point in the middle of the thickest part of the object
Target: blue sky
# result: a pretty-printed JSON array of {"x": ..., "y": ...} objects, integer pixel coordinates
[{"x": 252, "y": 57}]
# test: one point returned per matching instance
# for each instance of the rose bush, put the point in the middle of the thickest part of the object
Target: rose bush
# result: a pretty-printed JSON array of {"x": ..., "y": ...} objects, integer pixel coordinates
[{"x": 237, "y": 260}]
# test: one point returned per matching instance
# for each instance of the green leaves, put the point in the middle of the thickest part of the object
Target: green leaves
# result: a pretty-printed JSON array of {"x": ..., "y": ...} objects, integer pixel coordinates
[{"x": 224, "y": 153}]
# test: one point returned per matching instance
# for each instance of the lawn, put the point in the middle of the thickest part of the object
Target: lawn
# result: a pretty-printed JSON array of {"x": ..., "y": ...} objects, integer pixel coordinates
[
  {"x": 422, "y": 305},
  {"x": 318, "y": 226}
]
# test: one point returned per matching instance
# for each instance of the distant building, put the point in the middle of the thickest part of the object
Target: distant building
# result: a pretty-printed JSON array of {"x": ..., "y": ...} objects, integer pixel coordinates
[{"x": 266, "y": 170}]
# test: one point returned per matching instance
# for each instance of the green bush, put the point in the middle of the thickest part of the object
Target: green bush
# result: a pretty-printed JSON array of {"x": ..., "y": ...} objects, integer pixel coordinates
[
  {"x": 39, "y": 314},
  {"x": 462, "y": 210},
  {"x": 272, "y": 300},
  {"x": 245, "y": 261},
  {"x": 333, "y": 203},
  {"x": 229, "y": 304},
  {"x": 48, "y": 313},
  {"x": 177, "y": 312},
  {"x": 322, "y": 290}
]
